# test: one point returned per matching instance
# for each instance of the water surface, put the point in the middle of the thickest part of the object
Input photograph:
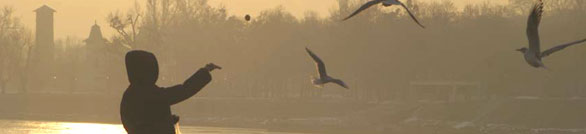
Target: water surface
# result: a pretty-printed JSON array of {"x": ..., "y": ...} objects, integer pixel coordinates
[{"x": 53, "y": 127}]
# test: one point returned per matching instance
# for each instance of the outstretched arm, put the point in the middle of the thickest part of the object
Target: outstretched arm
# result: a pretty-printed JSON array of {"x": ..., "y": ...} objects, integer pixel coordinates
[{"x": 190, "y": 87}]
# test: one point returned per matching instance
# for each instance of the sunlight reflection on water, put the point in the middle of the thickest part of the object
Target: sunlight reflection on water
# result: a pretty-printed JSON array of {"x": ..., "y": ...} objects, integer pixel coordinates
[
  {"x": 46, "y": 127},
  {"x": 49, "y": 127}
]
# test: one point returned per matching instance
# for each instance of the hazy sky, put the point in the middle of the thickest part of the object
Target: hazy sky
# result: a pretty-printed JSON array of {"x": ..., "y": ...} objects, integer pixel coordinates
[{"x": 75, "y": 17}]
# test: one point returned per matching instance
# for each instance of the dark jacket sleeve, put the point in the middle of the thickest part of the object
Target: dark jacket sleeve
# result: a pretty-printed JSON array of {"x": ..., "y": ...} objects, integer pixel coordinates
[{"x": 190, "y": 87}]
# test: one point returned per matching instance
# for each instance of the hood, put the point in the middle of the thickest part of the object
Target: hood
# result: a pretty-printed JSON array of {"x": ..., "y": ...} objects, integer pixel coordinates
[{"x": 142, "y": 67}]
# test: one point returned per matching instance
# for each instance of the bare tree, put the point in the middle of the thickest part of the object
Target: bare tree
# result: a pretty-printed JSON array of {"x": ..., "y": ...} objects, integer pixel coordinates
[
  {"x": 14, "y": 41},
  {"x": 180, "y": 30},
  {"x": 126, "y": 27}
]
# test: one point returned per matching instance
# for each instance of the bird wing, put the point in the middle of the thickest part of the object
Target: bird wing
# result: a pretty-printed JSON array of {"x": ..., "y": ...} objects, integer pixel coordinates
[
  {"x": 560, "y": 47},
  {"x": 341, "y": 83},
  {"x": 321, "y": 67},
  {"x": 412, "y": 16},
  {"x": 363, "y": 7},
  {"x": 533, "y": 25}
]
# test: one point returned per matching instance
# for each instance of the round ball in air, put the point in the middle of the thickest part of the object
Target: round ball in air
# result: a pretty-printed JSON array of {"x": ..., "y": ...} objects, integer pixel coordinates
[{"x": 247, "y": 17}]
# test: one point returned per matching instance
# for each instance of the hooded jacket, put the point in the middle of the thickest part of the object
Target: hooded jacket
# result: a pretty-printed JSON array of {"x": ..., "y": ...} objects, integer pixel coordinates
[{"x": 145, "y": 107}]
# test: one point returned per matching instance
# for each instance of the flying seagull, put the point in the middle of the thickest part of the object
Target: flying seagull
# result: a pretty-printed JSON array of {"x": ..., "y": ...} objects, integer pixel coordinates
[
  {"x": 385, "y": 3},
  {"x": 321, "y": 70},
  {"x": 533, "y": 54}
]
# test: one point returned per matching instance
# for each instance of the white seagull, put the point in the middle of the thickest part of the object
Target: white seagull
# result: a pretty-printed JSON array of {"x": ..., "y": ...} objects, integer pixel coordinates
[
  {"x": 533, "y": 54},
  {"x": 323, "y": 76},
  {"x": 385, "y": 3}
]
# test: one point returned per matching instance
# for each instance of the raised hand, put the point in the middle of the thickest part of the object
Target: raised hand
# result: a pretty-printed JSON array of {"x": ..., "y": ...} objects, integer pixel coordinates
[{"x": 211, "y": 66}]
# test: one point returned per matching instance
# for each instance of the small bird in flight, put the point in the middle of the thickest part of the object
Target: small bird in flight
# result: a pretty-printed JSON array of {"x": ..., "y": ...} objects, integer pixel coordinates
[
  {"x": 533, "y": 54},
  {"x": 385, "y": 3},
  {"x": 323, "y": 76}
]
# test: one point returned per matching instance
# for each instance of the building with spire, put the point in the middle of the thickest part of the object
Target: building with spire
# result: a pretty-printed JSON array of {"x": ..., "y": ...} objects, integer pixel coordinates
[
  {"x": 96, "y": 73},
  {"x": 95, "y": 38}
]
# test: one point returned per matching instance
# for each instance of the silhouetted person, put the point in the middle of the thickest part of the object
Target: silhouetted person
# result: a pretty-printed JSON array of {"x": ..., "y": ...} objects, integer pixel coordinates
[{"x": 145, "y": 107}]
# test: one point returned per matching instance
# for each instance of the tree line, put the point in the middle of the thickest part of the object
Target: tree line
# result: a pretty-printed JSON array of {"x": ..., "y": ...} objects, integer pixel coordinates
[{"x": 378, "y": 52}]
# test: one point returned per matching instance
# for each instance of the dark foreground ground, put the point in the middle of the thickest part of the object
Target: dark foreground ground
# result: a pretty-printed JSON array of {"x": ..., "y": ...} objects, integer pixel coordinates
[{"x": 338, "y": 116}]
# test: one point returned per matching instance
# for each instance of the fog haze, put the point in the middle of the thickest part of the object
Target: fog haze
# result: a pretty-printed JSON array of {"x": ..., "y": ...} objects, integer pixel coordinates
[{"x": 459, "y": 75}]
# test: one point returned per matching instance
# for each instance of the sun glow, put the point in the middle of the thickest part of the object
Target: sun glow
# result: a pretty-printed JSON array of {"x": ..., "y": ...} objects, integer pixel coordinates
[{"x": 90, "y": 128}]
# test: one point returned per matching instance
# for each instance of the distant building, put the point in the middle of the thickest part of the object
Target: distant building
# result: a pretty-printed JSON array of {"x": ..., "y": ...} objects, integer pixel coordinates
[
  {"x": 95, "y": 70},
  {"x": 43, "y": 56},
  {"x": 96, "y": 46},
  {"x": 95, "y": 38},
  {"x": 44, "y": 29}
]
